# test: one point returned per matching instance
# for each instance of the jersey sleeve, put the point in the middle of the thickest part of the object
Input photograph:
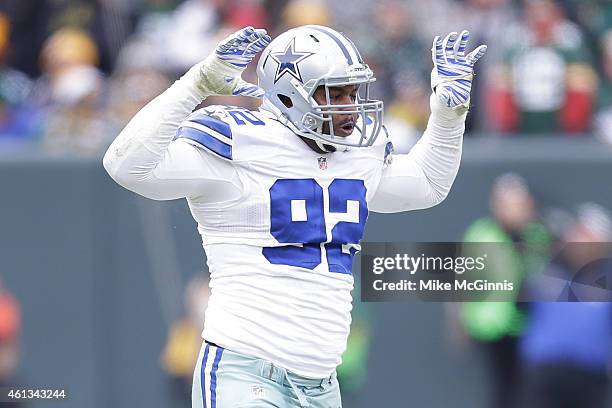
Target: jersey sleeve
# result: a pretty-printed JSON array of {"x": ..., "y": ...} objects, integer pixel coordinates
[
  {"x": 146, "y": 159},
  {"x": 423, "y": 177},
  {"x": 188, "y": 171}
]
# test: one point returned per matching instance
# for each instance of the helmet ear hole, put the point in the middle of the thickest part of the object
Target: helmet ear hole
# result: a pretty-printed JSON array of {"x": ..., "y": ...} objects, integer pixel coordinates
[{"x": 285, "y": 100}]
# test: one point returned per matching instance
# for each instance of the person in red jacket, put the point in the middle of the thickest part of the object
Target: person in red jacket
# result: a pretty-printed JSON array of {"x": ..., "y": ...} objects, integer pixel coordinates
[{"x": 547, "y": 83}]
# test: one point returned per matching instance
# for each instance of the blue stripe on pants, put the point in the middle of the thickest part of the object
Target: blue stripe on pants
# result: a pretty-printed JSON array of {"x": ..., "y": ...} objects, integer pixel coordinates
[
  {"x": 213, "y": 378},
  {"x": 203, "y": 376}
]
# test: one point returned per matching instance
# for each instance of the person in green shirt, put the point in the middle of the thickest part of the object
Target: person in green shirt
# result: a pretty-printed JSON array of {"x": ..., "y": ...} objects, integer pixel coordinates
[{"x": 523, "y": 242}]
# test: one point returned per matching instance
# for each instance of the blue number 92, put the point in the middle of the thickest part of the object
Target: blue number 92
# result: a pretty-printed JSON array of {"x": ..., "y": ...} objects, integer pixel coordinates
[{"x": 297, "y": 210}]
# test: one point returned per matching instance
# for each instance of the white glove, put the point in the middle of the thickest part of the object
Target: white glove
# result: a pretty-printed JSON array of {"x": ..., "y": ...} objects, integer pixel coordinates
[
  {"x": 221, "y": 71},
  {"x": 453, "y": 71}
]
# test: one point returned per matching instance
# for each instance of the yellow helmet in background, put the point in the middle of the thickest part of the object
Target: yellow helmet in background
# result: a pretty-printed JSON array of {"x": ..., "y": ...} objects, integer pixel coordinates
[{"x": 69, "y": 46}]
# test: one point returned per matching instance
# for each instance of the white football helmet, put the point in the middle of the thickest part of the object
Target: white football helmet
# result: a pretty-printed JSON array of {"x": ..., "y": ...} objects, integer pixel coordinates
[{"x": 300, "y": 60}]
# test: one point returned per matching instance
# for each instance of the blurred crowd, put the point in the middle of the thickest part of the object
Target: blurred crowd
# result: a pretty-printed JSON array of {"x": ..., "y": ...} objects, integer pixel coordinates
[
  {"x": 72, "y": 72},
  {"x": 552, "y": 346}
]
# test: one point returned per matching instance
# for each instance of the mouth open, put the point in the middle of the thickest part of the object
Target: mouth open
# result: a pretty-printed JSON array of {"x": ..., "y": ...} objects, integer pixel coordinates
[{"x": 346, "y": 129}]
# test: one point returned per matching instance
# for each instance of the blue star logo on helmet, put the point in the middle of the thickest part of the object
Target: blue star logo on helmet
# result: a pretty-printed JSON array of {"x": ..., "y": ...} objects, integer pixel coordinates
[{"x": 288, "y": 61}]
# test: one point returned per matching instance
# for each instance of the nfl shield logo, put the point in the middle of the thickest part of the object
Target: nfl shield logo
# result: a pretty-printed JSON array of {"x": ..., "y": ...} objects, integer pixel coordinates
[{"x": 322, "y": 163}]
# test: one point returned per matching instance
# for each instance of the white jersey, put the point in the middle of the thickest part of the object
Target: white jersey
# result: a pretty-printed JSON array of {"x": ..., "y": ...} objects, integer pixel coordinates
[
  {"x": 280, "y": 223},
  {"x": 280, "y": 254}
]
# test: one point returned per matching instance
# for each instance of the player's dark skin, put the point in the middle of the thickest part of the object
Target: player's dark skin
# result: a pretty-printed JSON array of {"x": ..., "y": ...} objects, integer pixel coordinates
[{"x": 343, "y": 124}]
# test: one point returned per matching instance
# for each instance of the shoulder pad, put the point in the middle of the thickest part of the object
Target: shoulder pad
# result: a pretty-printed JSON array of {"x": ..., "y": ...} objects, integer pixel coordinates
[
  {"x": 233, "y": 133},
  {"x": 206, "y": 128},
  {"x": 219, "y": 129}
]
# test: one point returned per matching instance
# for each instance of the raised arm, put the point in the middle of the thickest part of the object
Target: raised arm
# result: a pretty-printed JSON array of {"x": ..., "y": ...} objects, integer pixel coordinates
[
  {"x": 423, "y": 177},
  {"x": 145, "y": 159}
]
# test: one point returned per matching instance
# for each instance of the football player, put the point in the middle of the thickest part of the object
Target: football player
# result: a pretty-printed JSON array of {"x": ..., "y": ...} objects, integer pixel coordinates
[{"x": 281, "y": 196}]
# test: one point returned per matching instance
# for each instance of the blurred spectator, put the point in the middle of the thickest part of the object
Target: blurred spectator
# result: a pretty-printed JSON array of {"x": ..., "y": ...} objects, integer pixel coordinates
[
  {"x": 594, "y": 15},
  {"x": 66, "y": 49},
  {"x": 17, "y": 119},
  {"x": 495, "y": 326},
  {"x": 243, "y": 13},
  {"x": 548, "y": 82},
  {"x": 185, "y": 340},
  {"x": 71, "y": 93},
  {"x": 78, "y": 123},
  {"x": 109, "y": 22},
  {"x": 186, "y": 35},
  {"x": 10, "y": 328},
  {"x": 603, "y": 119},
  {"x": 407, "y": 115},
  {"x": 567, "y": 347},
  {"x": 134, "y": 83},
  {"x": 400, "y": 53},
  {"x": 302, "y": 12},
  {"x": 483, "y": 18}
]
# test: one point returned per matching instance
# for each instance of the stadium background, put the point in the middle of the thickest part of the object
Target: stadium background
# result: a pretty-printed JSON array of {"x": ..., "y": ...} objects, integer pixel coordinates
[{"x": 101, "y": 292}]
